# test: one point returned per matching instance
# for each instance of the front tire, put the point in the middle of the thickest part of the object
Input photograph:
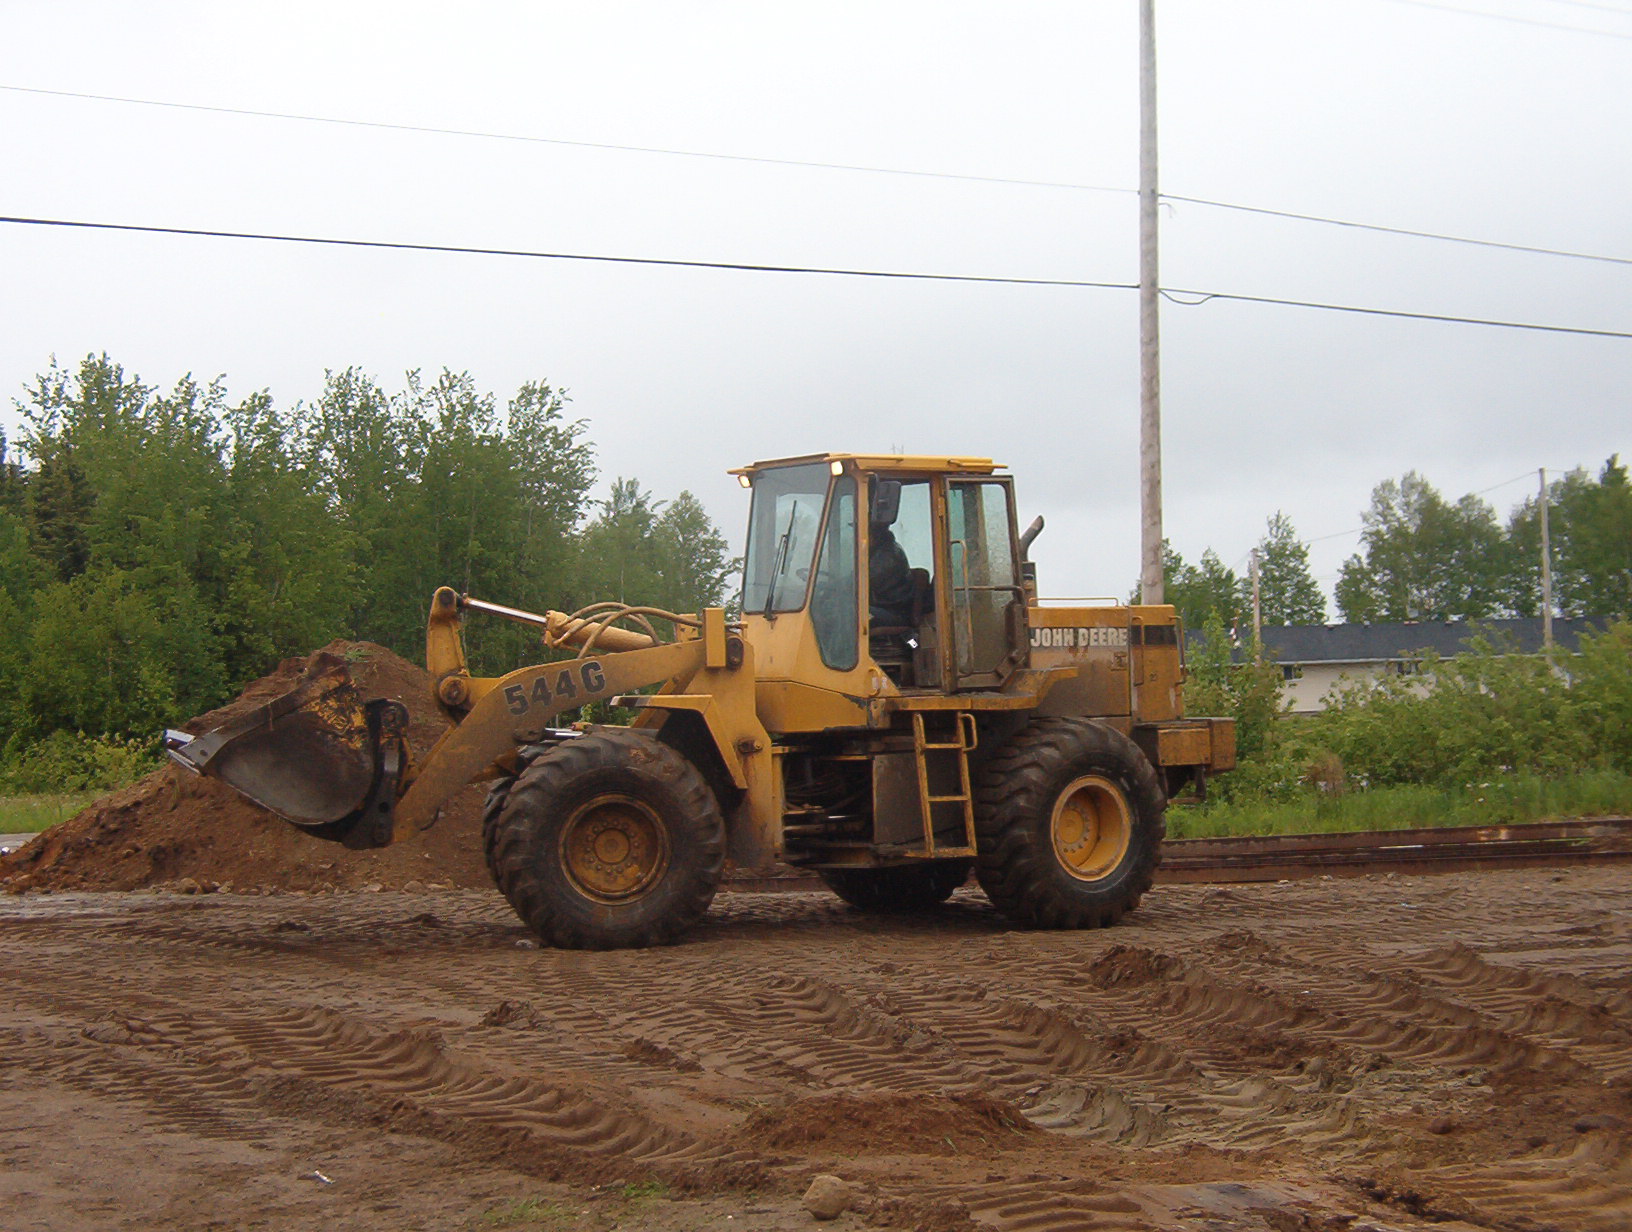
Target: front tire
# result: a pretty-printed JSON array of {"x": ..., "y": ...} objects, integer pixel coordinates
[
  {"x": 901, "y": 888},
  {"x": 608, "y": 841},
  {"x": 1070, "y": 819}
]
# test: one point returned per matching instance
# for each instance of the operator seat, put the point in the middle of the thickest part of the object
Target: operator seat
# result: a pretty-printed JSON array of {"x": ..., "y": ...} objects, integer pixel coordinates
[{"x": 892, "y": 646}]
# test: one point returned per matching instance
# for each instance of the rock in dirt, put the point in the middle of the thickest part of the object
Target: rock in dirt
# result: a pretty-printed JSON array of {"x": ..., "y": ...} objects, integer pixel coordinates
[
  {"x": 828, "y": 1197},
  {"x": 178, "y": 829}
]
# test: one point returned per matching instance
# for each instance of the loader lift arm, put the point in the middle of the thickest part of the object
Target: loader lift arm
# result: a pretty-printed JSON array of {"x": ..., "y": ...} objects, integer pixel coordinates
[{"x": 354, "y": 758}]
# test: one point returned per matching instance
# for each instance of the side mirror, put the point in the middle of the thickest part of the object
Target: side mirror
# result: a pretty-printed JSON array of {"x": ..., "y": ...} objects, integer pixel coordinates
[{"x": 886, "y": 502}]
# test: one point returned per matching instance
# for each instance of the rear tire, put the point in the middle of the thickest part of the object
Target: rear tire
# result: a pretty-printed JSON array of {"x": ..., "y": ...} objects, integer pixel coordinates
[
  {"x": 902, "y": 888},
  {"x": 1070, "y": 819},
  {"x": 608, "y": 841}
]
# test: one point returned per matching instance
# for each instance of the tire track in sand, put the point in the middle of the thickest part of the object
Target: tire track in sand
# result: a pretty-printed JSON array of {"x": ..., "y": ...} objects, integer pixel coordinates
[
  {"x": 214, "y": 1068},
  {"x": 1586, "y": 1189}
]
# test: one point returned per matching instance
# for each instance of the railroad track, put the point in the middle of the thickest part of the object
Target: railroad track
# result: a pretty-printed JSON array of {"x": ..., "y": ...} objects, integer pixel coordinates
[
  {"x": 1359, "y": 853},
  {"x": 1444, "y": 849}
]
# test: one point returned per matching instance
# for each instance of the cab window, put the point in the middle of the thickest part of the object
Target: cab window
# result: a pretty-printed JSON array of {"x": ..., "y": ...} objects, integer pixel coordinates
[
  {"x": 834, "y": 597},
  {"x": 782, "y": 530}
]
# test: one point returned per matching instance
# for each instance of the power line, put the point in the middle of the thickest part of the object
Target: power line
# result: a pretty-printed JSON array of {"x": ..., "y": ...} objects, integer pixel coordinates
[
  {"x": 1506, "y": 483},
  {"x": 1171, "y": 294},
  {"x": 562, "y": 141},
  {"x": 1587, "y": 4},
  {"x": 1341, "y": 534},
  {"x": 1529, "y": 475},
  {"x": 1521, "y": 21},
  {"x": 820, "y": 166},
  {"x": 1426, "y": 235},
  {"x": 566, "y": 256},
  {"x": 1360, "y": 530}
]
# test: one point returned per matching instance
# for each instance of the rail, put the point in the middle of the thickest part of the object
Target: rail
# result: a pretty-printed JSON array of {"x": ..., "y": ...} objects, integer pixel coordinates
[
  {"x": 1356, "y": 853},
  {"x": 1285, "y": 857}
]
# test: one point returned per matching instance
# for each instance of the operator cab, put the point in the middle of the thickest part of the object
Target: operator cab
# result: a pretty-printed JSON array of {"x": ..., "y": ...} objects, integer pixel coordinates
[{"x": 907, "y": 568}]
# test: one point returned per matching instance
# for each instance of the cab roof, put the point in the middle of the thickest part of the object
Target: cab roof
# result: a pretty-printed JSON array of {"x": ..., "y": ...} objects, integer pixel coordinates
[{"x": 939, "y": 464}]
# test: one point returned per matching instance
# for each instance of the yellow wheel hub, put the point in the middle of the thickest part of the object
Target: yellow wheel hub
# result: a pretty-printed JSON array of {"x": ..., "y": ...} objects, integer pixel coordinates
[
  {"x": 614, "y": 848},
  {"x": 1092, "y": 827}
]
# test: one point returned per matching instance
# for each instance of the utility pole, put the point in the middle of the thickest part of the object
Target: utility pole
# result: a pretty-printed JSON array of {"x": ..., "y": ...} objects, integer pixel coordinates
[
  {"x": 1257, "y": 613},
  {"x": 1546, "y": 570},
  {"x": 1151, "y": 581}
]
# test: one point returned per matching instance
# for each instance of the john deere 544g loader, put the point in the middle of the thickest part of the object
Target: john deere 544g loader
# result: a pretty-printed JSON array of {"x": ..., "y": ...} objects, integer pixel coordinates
[{"x": 892, "y": 707}]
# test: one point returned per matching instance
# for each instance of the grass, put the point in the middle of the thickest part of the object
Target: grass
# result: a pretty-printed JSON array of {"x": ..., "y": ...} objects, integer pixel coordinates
[
  {"x": 643, "y": 1190},
  {"x": 540, "y": 1214},
  {"x": 1503, "y": 800},
  {"x": 527, "y": 1212},
  {"x": 31, "y": 814}
]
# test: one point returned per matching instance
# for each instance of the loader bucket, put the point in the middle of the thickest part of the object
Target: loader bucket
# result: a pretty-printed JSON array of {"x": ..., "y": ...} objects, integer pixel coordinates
[{"x": 315, "y": 755}]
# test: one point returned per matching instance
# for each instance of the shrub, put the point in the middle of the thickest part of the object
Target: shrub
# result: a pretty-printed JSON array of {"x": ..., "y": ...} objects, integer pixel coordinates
[
  {"x": 1488, "y": 712},
  {"x": 72, "y": 761},
  {"x": 1602, "y": 692}
]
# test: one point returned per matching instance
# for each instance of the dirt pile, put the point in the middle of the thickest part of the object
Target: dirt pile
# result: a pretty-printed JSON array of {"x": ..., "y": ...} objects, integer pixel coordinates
[
  {"x": 177, "y": 829},
  {"x": 1130, "y": 966}
]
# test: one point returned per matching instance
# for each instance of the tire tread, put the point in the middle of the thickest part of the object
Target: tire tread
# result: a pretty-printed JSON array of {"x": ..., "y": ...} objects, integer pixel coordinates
[
  {"x": 516, "y": 812},
  {"x": 1014, "y": 800}
]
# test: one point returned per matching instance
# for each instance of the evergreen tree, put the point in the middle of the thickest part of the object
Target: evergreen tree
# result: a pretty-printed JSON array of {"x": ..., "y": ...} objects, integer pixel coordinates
[
  {"x": 619, "y": 561},
  {"x": 652, "y": 553},
  {"x": 1205, "y": 591},
  {"x": 691, "y": 555},
  {"x": 1287, "y": 592}
]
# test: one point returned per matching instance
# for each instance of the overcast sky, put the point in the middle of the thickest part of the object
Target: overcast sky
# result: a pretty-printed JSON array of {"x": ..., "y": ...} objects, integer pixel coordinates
[{"x": 1387, "y": 112}]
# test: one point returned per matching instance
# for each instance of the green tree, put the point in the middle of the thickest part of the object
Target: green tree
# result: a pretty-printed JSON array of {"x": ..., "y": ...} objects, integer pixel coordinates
[
  {"x": 619, "y": 562},
  {"x": 132, "y": 498},
  {"x": 13, "y": 480},
  {"x": 1287, "y": 592},
  {"x": 157, "y": 549},
  {"x": 652, "y": 553},
  {"x": 103, "y": 658},
  {"x": 434, "y": 487},
  {"x": 1589, "y": 527},
  {"x": 554, "y": 466},
  {"x": 1424, "y": 558},
  {"x": 360, "y": 446},
  {"x": 290, "y": 565},
  {"x": 22, "y": 576},
  {"x": 693, "y": 564},
  {"x": 1201, "y": 591}
]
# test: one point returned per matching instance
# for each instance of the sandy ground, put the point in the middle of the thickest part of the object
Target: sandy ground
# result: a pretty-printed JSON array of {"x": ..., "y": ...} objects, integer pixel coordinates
[{"x": 1395, "y": 1052}]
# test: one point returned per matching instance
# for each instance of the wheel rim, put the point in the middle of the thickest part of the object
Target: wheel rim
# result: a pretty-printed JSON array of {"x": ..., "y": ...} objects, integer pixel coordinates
[
  {"x": 1092, "y": 827},
  {"x": 614, "y": 848}
]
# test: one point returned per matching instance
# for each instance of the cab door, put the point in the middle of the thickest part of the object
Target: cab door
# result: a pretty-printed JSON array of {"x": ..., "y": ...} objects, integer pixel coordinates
[{"x": 987, "y": 630}]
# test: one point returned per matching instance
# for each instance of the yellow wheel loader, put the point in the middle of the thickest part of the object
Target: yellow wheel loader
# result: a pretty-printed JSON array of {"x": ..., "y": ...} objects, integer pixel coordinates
[{"x": 892, "y": 707}]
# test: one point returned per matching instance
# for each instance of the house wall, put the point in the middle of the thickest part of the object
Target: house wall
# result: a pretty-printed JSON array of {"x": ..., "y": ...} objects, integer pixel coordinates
[
  {"x": 1324, "y": 656},
  {"x": 1306, "y": 693}
]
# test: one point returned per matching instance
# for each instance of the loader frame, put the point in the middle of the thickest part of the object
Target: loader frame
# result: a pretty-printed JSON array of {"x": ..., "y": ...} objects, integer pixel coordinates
[{"x": 875, "y": 746}]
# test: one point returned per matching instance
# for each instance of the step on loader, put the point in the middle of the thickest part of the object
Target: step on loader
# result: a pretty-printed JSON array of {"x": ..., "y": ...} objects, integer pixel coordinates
[{"x": 892, "y": 708}]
